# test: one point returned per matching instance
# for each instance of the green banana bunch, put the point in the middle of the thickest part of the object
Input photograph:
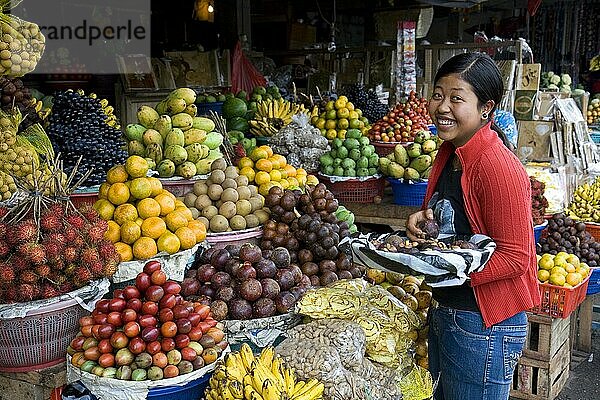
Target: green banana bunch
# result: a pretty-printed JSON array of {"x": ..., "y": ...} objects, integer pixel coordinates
[
  {"x": 585, "y": 204},
  {"x": 243, "y": 376}
]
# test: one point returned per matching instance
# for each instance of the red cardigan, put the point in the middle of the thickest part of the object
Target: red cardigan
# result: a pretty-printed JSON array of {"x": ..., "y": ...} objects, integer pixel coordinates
[{"x": 497, "y": 197}]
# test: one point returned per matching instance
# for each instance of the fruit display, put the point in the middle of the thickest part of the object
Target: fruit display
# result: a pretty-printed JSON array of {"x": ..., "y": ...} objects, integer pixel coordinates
[
  {"x": 593, "y": 111},
  {"x": 78, "y": 128},
  {"x": 403, "y": 122},
  {"x": 15, "y": 94},
  {"x": 351, "y": 157},
  {"x": 539, "y": 203},
  {"x": 209, "y": 97},
  {"x": 266, "y": 169},
  {"x": 236, "y": 113},
  {"x": 414, "y": 161},
  {"x": 339, "y": 116},
  {"x": 272, "y": 115},
  {"x": 245, "y": 376},
  {"x": 585, "y": 205},
  {"x": 245, "y": 282},
  {"x": 562, "y": 269},
  {"x": 557, "y": 82},
  {"x": 567, "y": 235},
  {"x": 225, "y": 201},
  {"x": 177, "y": 141},
  {"x": 147, "y": 331},
  {"x": 7, "y": 186},
  {"x": 143, "y": 218},
  {"x": 416, "y": 294},
  {"x": 22, "y": 45},
  {"x": 366, "y": 100},
  {"x": 55, "y": 252},
  {"x": 306, "y": 224},
  {"x": 301, "y": 143}
]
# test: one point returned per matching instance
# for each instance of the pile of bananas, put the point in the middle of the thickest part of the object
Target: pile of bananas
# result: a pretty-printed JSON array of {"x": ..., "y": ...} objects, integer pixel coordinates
[
  {"x": 111, "y": 119},
  {"x": 595, "y": 63},
  {"x": 243, "y": 376},
  {"x": 585, "y": 205},
  {"x": 272, "y": 115}
]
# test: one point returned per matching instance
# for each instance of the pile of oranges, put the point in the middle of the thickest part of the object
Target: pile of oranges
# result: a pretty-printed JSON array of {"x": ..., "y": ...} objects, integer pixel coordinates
[
  {"x": 562, "y": 269},
  {"x": 339, "y": 116},
  {"x": 266, "y": 169},
  {"x": 143, "y": 218}
]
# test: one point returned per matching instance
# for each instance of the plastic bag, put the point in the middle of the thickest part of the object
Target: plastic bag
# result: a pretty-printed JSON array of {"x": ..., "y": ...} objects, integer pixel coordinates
[
  {"x": 77, "y": 391},
  {"x": 21, "y": 42},
  {"x": 243, "y": 75}
]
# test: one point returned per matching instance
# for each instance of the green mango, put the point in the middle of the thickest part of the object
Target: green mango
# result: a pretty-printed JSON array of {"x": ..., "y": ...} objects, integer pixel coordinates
[
  {"x": 152, "y": 136},
  {"x": 147, "y": 116},
  {"x": 194, "y": 136},
  {"x": 203, "y": 166},
  {"x": 395, "y": 170},
  {"x": 422, "y": 135},
  {"x": 175, "y": 137},
  {"x": 166, "y": 169},
  {"x": 175, "y": 106},
  {"x": 187, "y": 94},
  {"x": 191, "y": 110},
  {"x": 135, "y": 132},
  {"x": 186, "y": 170},
  {"x": 183, "y": 121},
  {"x": 154, "y": 152},
  {"x": 413, "y": 150},
  {"x": 411, "y": 174},
  {"x": 194, "y": 152},
  {"x": 175, "y": 153},
  {"x": 428, "y": 146},
  {"x": 400, "y": 155},
  {"x": 421, "y": 163},
  {"x": 205, "y": 124},
  {"x": 135, "y": 148},
  {"x": 384, "y": 164},
  {"x": 163, "y": 125}
]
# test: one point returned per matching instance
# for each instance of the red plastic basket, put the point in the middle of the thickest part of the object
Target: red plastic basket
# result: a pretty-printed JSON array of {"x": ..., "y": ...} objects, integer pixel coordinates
[
  {"x": 355, "y": 190},
  {"x": 79, "y": 199},
  {"x": 593, "y": 229},
  {"x": 178, "y": 187},
  {"x": 40, "y": 339},
  {"x": 560, "y": 302},
  {"x": 384, "y": 148}
]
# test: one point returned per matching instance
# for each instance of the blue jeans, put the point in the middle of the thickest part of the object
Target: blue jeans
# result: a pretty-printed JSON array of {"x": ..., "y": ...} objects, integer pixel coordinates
[{"x": 473, "y": 362}]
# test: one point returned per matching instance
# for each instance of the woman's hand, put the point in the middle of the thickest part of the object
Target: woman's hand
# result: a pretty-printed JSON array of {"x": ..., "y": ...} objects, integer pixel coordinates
[{"x": 412, "y": 231}]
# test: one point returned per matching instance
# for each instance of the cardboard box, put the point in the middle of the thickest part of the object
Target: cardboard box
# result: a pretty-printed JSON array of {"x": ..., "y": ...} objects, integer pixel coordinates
[
  {"x": 533, "y": 143},
  {"x": 525, "y": 104},
  {"x": 528, "y": 76}
]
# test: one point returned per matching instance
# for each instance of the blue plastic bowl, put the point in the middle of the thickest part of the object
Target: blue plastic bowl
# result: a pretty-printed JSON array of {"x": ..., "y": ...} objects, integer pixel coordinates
[
  {"x": 204, "y": 108},
  {"x": 594, "y": 283},
  {"x": 191, "y": 391},
  {"x": 408, "y": 194},
  {"x": 537, "y": 231}
]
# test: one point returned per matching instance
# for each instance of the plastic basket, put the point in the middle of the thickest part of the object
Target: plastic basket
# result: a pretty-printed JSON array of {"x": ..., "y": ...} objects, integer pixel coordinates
[
  {"x": 220, "y": 240},
  {"x": 204, "y": 108},
  {"x": 80, "y": 199},
  {"x": 560, "y": 302},
  {"x": 193, "y": 390},
  {"x": 593, "y": 229},
  {"x": 538, "y": 229},
  {"x": 595, "y": 137},
  {"x": 384, "y": 148},
  {"x": 594, "y": 283},
  {"x": 355, "y": 190},
  {"x": 408, "y": 194},
  {"x": 179, "y": 187},
  {"x": 40, "y": 339},
  {"x": 432, "y": 128}
]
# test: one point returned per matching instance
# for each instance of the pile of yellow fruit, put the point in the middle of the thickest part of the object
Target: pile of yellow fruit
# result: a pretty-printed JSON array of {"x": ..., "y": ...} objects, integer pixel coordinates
[
  {"x": 143, "y": 218},
  {"x": 339, "y": 116},
  {"x": 562, "y": 269},
  {"x": 266, "y": 169}
]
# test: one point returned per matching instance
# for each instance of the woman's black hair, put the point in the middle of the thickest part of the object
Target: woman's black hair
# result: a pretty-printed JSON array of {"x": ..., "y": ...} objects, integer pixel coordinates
[{"x": 480, "y": 71}]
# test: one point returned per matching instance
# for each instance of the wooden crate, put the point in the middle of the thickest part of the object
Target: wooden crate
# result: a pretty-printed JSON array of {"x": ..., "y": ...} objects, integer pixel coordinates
[
  {"x": 545, "y": 336},
  {"x": 34, "y": 385},
  {"x": 542, "y": 380}
]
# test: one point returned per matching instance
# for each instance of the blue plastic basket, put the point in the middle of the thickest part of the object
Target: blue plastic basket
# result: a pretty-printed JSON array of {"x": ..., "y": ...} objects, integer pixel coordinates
[
  {"x": 432, "y": 128},
  {"x": 594, "y": 283},
  {"x": 408, "y": 194},
  {"x": 204, "y": 108},
  {"x": 537, "y": 231},
  {"x": 190, "y": 391}
]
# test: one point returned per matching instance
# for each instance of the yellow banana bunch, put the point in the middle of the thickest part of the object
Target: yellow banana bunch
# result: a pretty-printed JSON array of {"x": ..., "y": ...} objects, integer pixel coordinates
[
  {"x": 272, "y": 115},
  {"x": 241, "y": 375},
  {"x": 585, "y": 204}
]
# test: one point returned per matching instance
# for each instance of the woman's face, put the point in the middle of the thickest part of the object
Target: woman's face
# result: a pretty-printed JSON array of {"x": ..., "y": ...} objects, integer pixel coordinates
[{"x": 455, "y": 110}]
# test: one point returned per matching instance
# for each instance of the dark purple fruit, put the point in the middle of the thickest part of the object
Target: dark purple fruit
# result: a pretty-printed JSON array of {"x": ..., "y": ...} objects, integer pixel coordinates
[
  {"x": 310, "y": 268},
  {"x": 220, "y": 258},
  {"x": 265, "y": 269},
  {"x": 430, "y": 228},
  {"x": 207, "y": 290},
  {"x": 250, "y": 289},
  {"x": 225, "y": 294},
  {"x": 205, "y": 272},
  {"x": 233, "y": 249},
  {"x": 285, "y": 278},
  {"x": 240, "y": 309},
  {"x": 296, "y": 273},
  {"x": 219, "y": 310},
  {"x": 250, "y": 253},
  {"x": 344, "y": 274},
  {"x": 220, "y": 279},
  {"x": 328, "y": 277},
  {"x": 270, "y": 288},
  {"x": 245, "y": 272},
  {"x": 284, "y": 302},
  {"x": 263, "y": 308},
  {"x": 281, "y": 257}
]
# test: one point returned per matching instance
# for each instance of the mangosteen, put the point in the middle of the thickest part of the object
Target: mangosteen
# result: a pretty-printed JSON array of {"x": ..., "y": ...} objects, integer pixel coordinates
[
  {"x": 279, "y": 241},
  {"x": 328, "y": 277},
  {"x": 267, "y": 253},
  {"x": 345, "y": 233},
  {"x": 296, "y": 272},
  {"x": 225, "y": 294},
  {"x": 319, "y": 191},
  {"x": 572, "y": 230},
  {"x": 205, "y": 300},
  {"x": 270, "y": 224},
  {"x": 205, "y": 272},
  {"x": 219, "y": 258},
  {"x": 580, "y": 226},
  {"x": 294, "y": 226},
  {"x": 281, "y": 257},
  {"x": 345, "y": 274},
  {"x": 322, "y": 233},
  {"x": 276, "y": 190},
  {"x": 208, "y": 290},
  {"x": 269, "y": 234},
  {"x": 288, "y": 201},
  {"x": 327, "y": 265},
  {"x": 220, "y": 279},
  {"x": 284, "y": 302},
  {"x": 285, "y": 278},
  {"x": 293, "y": 257},
  {"x": 245, "y": 272},
  {"x": 266, "y": 245},
  {"x": 250, "y": 289},
  {"x": 311, "y": 237},
  {"x": 319, "y": 252},
  {"x": 240, "y": 309},
  {"x": 292, "y": 244},
  {"x": 219, "y": 310},
  {"x": 206, "y": 255},
  {"x": 310, "y": 268},
  {"x": 277, "y": 210},
  {"x": 190, "y": 273},
  {"x": 282, "y": 228},
  {"x": 343, "y": 225},
  {"x": 569, "y": 222},
  {"x": 327, "y": 242},
  {"x": 250, "y": 253},
  {"x": 304, "y": 255},
  {"x": 298, "y": 291},
  {"x": 320, "y": 204},
  {"x": 190, "y": 287},
  {"x": 332, "y": 253},
  {"x": 265, "y": 269},
  {"x": 332, "y": 205},
  {"x": 314, "y": 226},
  {"x": 288, "y": 217},
  {"x": 270, "y": 288},
  {"x": 272, "y": 199},
  {"x": 233, "y": 249},
  {"x": 263, "y": 308},
  {"x": 343, "y": 262},
  {"x": 305, "y": 199},
  {"x": 430, "y": 228},
  {"x": 304, "y": 220},
  {"x": 310, "y": 209}
]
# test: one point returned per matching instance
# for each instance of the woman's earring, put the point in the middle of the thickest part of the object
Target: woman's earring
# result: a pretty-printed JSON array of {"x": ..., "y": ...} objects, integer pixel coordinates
[{"x": 484, "y": 116}]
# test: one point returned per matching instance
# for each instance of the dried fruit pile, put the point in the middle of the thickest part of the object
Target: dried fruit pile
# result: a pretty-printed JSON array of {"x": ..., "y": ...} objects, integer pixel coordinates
[{"x": 539, "y": 203}]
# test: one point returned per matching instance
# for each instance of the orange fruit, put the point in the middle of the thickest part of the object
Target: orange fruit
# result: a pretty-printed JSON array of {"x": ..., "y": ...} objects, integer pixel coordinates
[
  {"x": 245, "y": 162},
  {"x": 117, "y": 174},
  {"x": 156, "y": 186},
  {"x": 557, "y": 279},
  {"x": 136, "y": 166},
  {"x": 185, "y": 211},
  {"x": 275, "y": 175},
  {"x": 275, "y": 162},
  {"x": 168, "y": 242},
  {"x": 310, "y": 180},
  {"x": 569, "y": 267},
  {"x": 166, "y": 202},
  {"x": 140, "y": 188},
  {"x": 543, "y": 275},
  {"x": 148, "y": 208},
  {"x": 262, "y": 177},
  {"x": 290, "y": 170},
  {"x": 176, "y": 220},
  {"x": 284, "y": 183},
  {"x": 171, "y": 195},
  {"x": 249, "y": 173},
  {"x": 264, "y": 165},
  {"x": 186, "y": 236},
  {"x": 113, "y": 233},
  {"x": 118, "y": 193},
  {"x": 293, "y": 181},
  {"x": 105, "y": 209},
  {"x": 124, "y": 250},
  {"x": 103, "y": 190},
  {"x": 199, "y": 230},
  {"x": 258, "y": 153},
  {"x": 130, "y": 232},
  {"x": 573, "y": 278},
  {"x": 144, "y": 248},
  {"x": 153, "y": 227},
  {"x": 139, "y": 221},
  {"x": 268, "y": 149},
  {"x": 301, "y": 171},
  {"x": 125, "y": 212}
]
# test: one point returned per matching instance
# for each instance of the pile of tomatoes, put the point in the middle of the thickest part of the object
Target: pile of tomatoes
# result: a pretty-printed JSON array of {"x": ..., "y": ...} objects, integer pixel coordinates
[{"x": 402, "y": 122}]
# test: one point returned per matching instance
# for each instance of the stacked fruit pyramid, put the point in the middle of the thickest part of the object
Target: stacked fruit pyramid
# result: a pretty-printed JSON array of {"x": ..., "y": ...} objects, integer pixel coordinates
[
  {"x": 563, "y": 269},
  {"x": 337, "y": 117},
  {"x": 175, "y": 140},
  {"x": 143, "y": 218},
  {"x": 351, "y": 157},
  {"x": 147, "y": 331}
]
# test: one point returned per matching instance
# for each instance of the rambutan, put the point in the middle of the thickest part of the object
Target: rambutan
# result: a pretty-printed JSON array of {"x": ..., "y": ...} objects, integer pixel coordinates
[
  {"x": 75, "y": 220},
  {"x": 57, "y": 237},
  {"x": 3, "y": 211},
  {"x": 33, "y": 252},
  {"x": 7, "y": 273},
  {"x": 4, "y": 248},
  {"x": 56, "y": 263},
  {"x": 28, "y": 277},
  {"x": 26, "y": 292},
  {"x": 106, "y": 249},
  {"x": 89, "y": 213},
  {"x": 70, "y": 254},
  {"x": 71, "y": 234},
  {"x": 70, "y": 269},
  {"x": 43, "y": 270},
  {"x": 52, "y": 249},
  {"x": 66, "y": 287},
  {"x": 78, "y": 242},
  {"x": 24, "y": 231},
  {"x": 96, "y": 231},
  {"x": 89, "y": 256},
  {"x": 56, "y": 209},
  {"x": 3, "y": 229},
  {"x": 56, "y": 277},
  {"x": 50, "y": 222},
  {"x": 49, "y": 290},
  {"x": 81, "y": 276},
  {"x": 110, "y": 268},
  {"x": 97, "y": 270},
  {"x": 11, "y": 294},
  {"x": 20, "y": 263}
]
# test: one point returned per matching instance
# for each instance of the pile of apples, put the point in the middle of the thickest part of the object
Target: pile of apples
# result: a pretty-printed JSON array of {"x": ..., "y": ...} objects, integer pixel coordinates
[{"x": 147, "y": 331}]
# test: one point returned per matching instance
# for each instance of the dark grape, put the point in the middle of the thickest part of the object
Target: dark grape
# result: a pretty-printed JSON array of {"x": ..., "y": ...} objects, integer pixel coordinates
[{"x": 367, "y": 101}]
